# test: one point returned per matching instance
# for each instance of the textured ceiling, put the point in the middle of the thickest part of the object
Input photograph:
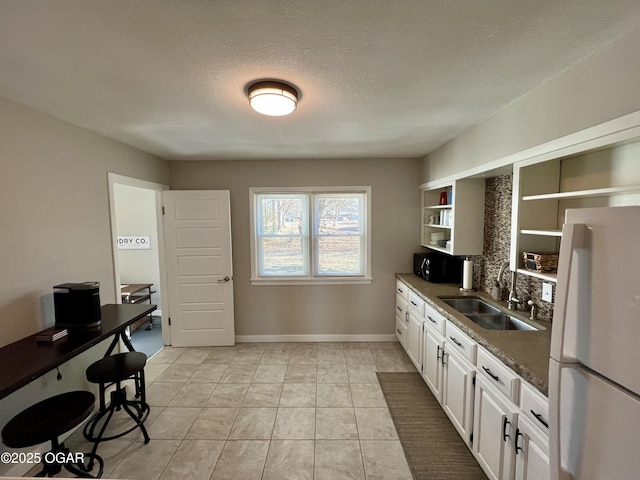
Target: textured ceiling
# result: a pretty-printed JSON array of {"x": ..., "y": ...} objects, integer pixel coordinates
[{"x": 378, "y": 78}]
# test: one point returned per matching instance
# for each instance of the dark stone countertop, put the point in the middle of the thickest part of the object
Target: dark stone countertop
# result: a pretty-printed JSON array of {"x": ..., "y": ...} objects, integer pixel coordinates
[{"x": 525, "y": 352}]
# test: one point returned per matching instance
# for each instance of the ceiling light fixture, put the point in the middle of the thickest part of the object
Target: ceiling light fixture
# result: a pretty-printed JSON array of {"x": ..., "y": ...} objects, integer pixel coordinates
[{"x": 273, "y": 98}]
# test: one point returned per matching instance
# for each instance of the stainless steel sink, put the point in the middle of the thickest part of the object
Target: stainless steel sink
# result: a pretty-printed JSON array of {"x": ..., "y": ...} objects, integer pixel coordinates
[
  {"x": 485, "y": 315},
  {"x": 499, "y": 321},
  {"x": 470, "y": 305}
]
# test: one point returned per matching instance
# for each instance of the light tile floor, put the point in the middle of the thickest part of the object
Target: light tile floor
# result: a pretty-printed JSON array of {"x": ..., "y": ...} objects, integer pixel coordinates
[{"x": 264, "y": 411}]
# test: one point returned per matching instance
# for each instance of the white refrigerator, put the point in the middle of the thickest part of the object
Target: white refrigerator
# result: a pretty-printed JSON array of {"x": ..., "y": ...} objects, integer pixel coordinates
[{"x": 594, "y": 369}]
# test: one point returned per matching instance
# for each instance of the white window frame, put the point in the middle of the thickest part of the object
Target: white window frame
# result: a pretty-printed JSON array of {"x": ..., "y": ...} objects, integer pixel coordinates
[{"x": 310, "y": 278}]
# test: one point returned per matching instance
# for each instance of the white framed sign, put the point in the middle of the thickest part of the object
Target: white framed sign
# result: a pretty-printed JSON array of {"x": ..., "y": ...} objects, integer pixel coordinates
[{"x": 133, "y": 242}]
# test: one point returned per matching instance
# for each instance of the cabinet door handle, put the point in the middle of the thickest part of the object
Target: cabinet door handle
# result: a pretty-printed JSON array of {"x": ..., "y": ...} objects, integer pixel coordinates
[
  {"x": 413, "y": 303},
  {"x": 406, "y": 316},
  {"x": 399, "y": 332},
  {"x": 505, "y": 422},
  {"x": 401, "y": 290},
  {"x": 442, "y": 358},
  {"x": 495, "y": 377},
  {"x": 540, "y": 418},
  {"x": 438, "y": 352},
  {"x": 432, "y": 320},
  {"x": 518, "y": 435},
  {"x": 456, "y": 341},
  {"x": 399, "y": 308}
]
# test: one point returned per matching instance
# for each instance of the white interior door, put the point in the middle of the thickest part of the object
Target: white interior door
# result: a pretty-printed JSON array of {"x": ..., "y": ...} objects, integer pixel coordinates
[{"x": 197, "y": 230}]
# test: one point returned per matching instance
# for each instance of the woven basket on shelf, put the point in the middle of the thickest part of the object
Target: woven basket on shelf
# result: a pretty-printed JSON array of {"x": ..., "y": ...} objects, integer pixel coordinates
[{"x": 541, "y": 262}]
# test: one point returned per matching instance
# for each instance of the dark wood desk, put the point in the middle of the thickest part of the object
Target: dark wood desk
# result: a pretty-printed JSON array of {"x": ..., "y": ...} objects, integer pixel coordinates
[{"x": 23, "y": 361}]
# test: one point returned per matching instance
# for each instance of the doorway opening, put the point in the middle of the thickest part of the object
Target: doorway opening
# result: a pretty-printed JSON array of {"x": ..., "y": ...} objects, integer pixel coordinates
[{"x": 136, "y": 224}]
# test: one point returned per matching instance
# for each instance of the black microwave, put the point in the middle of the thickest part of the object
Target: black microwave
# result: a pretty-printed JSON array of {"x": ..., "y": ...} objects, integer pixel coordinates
[{"x": 437, "y": 268}]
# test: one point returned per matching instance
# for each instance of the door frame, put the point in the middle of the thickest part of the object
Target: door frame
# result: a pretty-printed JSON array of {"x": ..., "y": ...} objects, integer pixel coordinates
[{"x": 158, "y": 188}]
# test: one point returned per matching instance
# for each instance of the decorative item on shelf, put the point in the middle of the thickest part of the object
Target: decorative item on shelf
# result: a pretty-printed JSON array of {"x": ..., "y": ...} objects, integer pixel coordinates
[
  {"x": 445, "y": 218},
  {"x": 546, "y": 262},
  {"x": 443, "y": 198},
  {"x": 434, "y": 220},
  {"x": 51, "y": 334},
  {"x": 467, "y": 275},
  {"x": 436, "y": 236}
]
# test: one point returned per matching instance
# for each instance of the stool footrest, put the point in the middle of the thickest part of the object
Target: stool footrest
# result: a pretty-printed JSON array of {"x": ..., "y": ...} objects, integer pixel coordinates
[{"x": 141, "y": 415}]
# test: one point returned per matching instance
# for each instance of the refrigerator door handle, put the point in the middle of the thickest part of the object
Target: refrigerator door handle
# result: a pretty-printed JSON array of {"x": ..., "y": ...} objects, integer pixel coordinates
[{"x": 573, "y": 237}]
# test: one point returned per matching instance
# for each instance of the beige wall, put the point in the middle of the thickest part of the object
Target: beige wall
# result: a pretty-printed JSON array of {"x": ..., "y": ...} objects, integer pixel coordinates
[
  {"x": 601, "y": 87},
  {"x": 54, "y": 216},
  {"x": 55, "y": 212},
  {"x": 318, "y": 310}
]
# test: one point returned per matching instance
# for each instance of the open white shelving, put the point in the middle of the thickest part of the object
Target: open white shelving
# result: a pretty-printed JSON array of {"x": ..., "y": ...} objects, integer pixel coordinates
[
  {"x": 543, "y": 191},
  {"x": 461, "y": 219}
]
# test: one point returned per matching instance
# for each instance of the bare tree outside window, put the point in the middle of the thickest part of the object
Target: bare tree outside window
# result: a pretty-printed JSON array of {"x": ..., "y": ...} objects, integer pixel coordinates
[{"x": 311, "y": 234}]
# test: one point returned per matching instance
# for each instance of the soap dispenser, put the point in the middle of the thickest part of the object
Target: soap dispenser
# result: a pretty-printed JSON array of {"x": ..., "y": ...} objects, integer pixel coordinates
[{"x": 496, "y": 291}]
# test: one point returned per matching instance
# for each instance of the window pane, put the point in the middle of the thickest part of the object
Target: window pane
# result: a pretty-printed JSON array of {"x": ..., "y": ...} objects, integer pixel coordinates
[
  {"x": 282, "y": 256},
  {"x": 338, "y": 255},
  {"x": 282, "y": 234},
  {"x": 281, "y": 214},
  {"x": 339, "y": 230}
]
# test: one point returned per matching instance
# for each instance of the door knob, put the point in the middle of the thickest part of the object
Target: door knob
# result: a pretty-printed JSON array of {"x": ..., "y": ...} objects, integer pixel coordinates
[{"x": 225, "y": 279}]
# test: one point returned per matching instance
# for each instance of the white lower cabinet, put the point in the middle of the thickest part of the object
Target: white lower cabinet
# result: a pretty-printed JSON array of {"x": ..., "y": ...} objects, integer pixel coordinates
[
  {"x": 532, "y": 452},
  {"x": 433, "y": 348},
  {"x": 494, "y": 431},
  {"x": 402, "y": 318},
  {"x": 414, "y": 339},
  {"x": 532, "y": 437},
  {"x": 401, "y": 331},
  {"x": 415, "y": 325},
  {"x": 458, "y": 391},
  {"x": 509, "y": 441},
  {"x": 502, "y": 419}
]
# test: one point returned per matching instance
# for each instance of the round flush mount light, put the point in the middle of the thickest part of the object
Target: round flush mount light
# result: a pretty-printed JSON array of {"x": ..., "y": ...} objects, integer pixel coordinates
[{"x": 273, "y": 98}]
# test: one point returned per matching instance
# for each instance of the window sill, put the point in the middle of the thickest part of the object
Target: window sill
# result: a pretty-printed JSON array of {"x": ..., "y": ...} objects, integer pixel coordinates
[{"x": 312, "y": 281}]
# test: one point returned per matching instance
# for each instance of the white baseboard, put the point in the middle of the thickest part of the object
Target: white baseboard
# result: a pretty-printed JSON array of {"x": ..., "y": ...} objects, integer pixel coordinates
[{"x": 315, "y": 338}]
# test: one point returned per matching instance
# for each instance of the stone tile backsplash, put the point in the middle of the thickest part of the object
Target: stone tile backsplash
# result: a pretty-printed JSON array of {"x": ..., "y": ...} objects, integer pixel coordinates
[{"x": 497, "y": 244}]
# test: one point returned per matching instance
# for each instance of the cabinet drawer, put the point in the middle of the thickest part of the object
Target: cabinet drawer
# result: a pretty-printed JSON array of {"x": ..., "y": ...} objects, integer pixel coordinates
[
  {"x": 535, "y": 406},
  {"x": 401, "y": 307},
  {"x": 401, "y": 332},
  {"x": 460, "y": 342},
  {"x": 416, "y": 303},
  {"x": 503, "y": 378},
  {"x": 402, "y": 289},
  {"x": 434, "y": 319}
]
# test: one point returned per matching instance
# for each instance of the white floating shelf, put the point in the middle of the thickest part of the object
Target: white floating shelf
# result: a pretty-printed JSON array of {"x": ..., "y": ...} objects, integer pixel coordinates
[
  {"x": 438, "y": 206},
  {"x": 544, "y": 233},
  {"x": 549, "y": 277},
  {"x": 445, "y": 227},
  {"x": 437, "y": 248},
  {"x": 597, "y": 192}
]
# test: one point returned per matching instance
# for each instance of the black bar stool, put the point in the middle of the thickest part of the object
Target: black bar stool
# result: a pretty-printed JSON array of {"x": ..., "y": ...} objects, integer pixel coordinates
[
  {"x": 113, "y": 370},
  {"x": 47, "y": 421}
]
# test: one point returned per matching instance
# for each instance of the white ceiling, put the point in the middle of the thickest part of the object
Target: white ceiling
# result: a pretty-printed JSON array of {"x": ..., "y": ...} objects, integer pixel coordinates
[{"x": 378, "y": 78}]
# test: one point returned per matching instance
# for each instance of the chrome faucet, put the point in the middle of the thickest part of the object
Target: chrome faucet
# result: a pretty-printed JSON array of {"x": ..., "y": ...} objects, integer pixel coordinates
[
  {"x": 513, "y": 301},
  {"x": 501, "y": 272}
]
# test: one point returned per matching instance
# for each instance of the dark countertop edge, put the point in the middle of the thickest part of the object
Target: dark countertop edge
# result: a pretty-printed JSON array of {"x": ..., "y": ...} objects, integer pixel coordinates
[
  {"x": 55, "y": 353},
  {"x": 524, "y": 352}
]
